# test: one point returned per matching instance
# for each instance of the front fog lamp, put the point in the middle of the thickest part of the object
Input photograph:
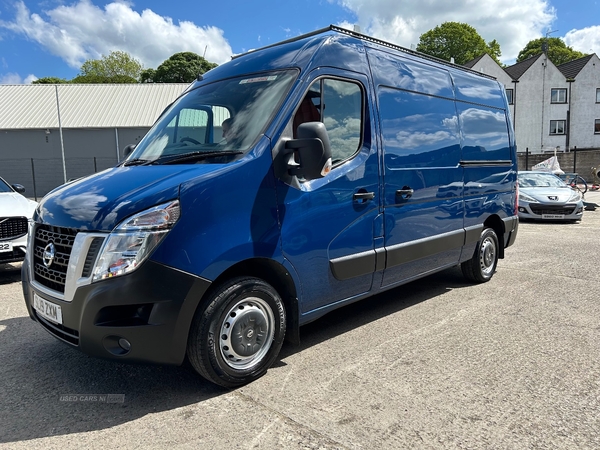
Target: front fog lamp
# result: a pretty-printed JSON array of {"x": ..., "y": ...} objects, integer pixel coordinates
[{"x": 130, "y": 243}]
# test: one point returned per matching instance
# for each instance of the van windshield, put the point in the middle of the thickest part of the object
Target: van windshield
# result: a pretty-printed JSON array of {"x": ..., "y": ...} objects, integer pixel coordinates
[{"x": 218, "y": 119}]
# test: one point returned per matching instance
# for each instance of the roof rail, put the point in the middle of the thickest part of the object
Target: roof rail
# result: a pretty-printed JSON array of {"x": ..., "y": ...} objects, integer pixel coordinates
[{"x": 366, "y": 38}]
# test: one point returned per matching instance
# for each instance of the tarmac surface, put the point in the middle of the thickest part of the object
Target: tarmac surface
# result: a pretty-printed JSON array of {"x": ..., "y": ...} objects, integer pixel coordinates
[{"x": 439, "y": 363}]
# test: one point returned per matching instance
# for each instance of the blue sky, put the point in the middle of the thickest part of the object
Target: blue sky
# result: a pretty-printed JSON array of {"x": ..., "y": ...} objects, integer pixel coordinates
[{"x": 54, "y": 37}]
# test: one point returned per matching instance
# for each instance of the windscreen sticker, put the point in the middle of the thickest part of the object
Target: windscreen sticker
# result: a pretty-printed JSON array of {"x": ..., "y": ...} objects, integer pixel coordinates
[{"x": 259, "y": 79}]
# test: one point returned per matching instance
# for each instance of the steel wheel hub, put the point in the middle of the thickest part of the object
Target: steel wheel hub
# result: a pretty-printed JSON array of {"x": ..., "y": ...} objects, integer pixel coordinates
[
  {"x": 247, "y": 333},
  {"x": 487, "y": 256}
]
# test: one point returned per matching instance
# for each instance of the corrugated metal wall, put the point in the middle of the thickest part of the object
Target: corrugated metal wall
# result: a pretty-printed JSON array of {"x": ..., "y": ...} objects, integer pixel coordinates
[
  {"x": 97, "y": 121},
  {"x": 84, "y": 105}
]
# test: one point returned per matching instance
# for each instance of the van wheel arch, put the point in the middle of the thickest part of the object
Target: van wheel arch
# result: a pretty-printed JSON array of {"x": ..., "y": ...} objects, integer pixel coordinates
[
  {"x": 274, "y": 274},
  {"x": 482, "y": 265},
  {"x": 237, "y": 333}
]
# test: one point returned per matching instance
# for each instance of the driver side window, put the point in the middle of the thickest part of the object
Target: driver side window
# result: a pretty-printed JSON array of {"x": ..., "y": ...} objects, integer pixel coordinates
[{"x": 339, "y": 105}]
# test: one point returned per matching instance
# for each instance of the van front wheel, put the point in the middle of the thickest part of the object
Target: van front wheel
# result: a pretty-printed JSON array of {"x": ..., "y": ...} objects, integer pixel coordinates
[
  {"x": 481, "y": 267},
  {"x": 237, "y": 335}
]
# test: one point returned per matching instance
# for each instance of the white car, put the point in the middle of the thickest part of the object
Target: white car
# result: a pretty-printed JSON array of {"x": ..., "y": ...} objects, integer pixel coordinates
[
  {"x": 544, "y": 196},
  {"x": 15, "y": 213}
]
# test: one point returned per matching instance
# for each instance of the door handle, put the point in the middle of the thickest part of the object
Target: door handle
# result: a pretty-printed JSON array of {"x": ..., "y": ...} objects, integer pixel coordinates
[
  {"x": 363, "y": 196},
  {"x": 406, "y": 192}
]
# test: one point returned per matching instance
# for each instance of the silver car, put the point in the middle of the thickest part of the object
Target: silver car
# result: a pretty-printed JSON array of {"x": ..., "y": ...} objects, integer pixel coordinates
[
  {"x": 15, "y": 213},
  {"x": 544, "y": 196}
]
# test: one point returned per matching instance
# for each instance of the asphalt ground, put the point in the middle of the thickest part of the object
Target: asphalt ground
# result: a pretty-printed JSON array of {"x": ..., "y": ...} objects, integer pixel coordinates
[{"x": 438, "y": 363}]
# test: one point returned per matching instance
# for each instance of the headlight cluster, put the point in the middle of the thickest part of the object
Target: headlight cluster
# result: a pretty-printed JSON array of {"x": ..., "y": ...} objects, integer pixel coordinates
[
  {"x": 130, "y": 243},
  {"x": 575, "y": 197},
  {"x": 526, "y": 198}
]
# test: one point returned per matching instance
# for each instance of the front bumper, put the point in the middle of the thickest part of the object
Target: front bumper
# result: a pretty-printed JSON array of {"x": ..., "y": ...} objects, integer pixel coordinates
[
  {"x": 151, "y": 308},
  {"x": 18, "y": 252},
  {"x": 540, "y": 211}
]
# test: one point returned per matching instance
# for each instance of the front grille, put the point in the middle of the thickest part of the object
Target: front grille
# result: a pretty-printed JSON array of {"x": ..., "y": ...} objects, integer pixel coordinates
[
  {"x": 66, "y": 334},
  {"x": 16, "y": 255},
  {"x": 55, "y": 276},
  {"x": 90, "y": 259},
  {"x": 12, "y": 227},
  {"x": 550, "y": 209}
]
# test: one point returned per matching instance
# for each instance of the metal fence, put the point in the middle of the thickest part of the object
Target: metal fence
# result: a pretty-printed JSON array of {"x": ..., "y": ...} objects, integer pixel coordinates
[{"x": 40, "y": 176}]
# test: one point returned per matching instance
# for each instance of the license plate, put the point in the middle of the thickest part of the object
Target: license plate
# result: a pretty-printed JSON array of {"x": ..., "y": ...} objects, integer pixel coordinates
[
  {"x": 553, "y": 216},
  {"x": 6, "y": 247},
  {"x": 46, "y": 309}
]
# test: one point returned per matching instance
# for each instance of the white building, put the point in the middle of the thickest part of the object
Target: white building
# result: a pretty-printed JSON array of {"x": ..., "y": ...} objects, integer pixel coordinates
[{"x": 552, "y": 107}]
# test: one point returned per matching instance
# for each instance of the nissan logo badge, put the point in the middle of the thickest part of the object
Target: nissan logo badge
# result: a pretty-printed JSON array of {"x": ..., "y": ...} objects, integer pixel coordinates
[{"x": 49, "y": 253}]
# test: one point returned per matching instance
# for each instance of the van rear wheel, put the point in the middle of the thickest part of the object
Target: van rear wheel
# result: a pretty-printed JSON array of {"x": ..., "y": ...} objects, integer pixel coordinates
[
  {"x": 239, "y": 332},
  {"x": 481, "y": 267}
]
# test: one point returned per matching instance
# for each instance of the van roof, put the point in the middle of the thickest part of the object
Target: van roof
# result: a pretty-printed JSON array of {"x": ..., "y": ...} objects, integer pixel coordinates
[{"x": 365, "y": 38}]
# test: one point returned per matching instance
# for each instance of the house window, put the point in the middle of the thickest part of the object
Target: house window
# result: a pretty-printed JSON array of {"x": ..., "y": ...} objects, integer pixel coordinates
[
  {"x": 597, "y": 126},
  {"x": 557, "y": 127},
  {"x": 597, "y": 95},
  {"x": 558, "y": 95},
  {"x": 509, "y": 96}
]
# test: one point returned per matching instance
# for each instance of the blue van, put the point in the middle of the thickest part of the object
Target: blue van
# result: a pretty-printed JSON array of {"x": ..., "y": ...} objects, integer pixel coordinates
[{"x": 288, "y": 182}]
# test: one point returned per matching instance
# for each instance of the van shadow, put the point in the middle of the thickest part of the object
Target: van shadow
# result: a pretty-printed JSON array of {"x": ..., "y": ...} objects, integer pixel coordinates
[
  {"x": 48, "y": 388},
  {"x": 374, "y": 308}
]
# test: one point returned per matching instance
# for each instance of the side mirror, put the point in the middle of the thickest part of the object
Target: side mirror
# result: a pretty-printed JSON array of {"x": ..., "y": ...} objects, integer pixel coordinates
[
  {"x": 127, "y": 150},
  {"x": 19, "y": 188},
  {"x": 310, "y": 153}
]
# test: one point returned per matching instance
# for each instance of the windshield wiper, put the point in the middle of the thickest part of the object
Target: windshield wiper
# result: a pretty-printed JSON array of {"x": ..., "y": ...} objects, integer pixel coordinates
[
  {"x": 195, "y": 156},
  {"x": 136, "y": 162}
]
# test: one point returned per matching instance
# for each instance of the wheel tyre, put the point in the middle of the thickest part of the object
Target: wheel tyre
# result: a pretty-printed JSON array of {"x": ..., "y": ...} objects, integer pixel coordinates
[
  {"x": 239, "y": 332},
  {"x": 481, "y": 267}
]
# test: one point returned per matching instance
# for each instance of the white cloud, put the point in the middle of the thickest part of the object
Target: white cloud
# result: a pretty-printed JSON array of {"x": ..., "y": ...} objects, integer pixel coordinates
[
  {"x": 586, "y": 40},
  {"x": 15, "y": 78},
  {"x": 513, "y": 23},
  {"x": 81, "y": 31}
]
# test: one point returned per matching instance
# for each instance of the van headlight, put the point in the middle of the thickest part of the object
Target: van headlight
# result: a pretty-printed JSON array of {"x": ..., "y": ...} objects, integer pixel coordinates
[{"x": 132, "y": 241}]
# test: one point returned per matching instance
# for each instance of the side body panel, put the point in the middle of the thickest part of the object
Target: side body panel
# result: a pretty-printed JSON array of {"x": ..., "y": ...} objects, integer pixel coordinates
[
  {"x": 448, "y": 162},
  {"x": 423, "y": 192}
]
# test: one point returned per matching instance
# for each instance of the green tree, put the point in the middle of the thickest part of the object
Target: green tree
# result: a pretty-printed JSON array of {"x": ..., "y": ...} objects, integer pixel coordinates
[
  {"x": 147, "y": 76},
  {"x": 182, "y": 67},
  {"x": 50, "y": 80},
  {"x": 117, "y": 67},
  {"x": 100, "y": 79},
  {"x": 457, "y": 40},
  {"x": 558, "y": 52}
]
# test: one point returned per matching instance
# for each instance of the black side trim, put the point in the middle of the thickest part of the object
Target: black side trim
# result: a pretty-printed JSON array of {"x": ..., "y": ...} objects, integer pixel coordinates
[
  {"x": 486, "y": 163},
  {"x": 381, "y": 259},
  {"x": 421, "y": 248},
  {"x": 354, "y": 265},
  {"x": 472, "y": 234},
  {"x": 365, "y": 263},
  {"x": 511, "y": 225}
]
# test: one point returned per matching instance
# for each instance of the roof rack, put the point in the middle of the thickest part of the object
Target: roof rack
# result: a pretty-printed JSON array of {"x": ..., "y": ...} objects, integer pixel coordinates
[{"x": 371, "y": 39}]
